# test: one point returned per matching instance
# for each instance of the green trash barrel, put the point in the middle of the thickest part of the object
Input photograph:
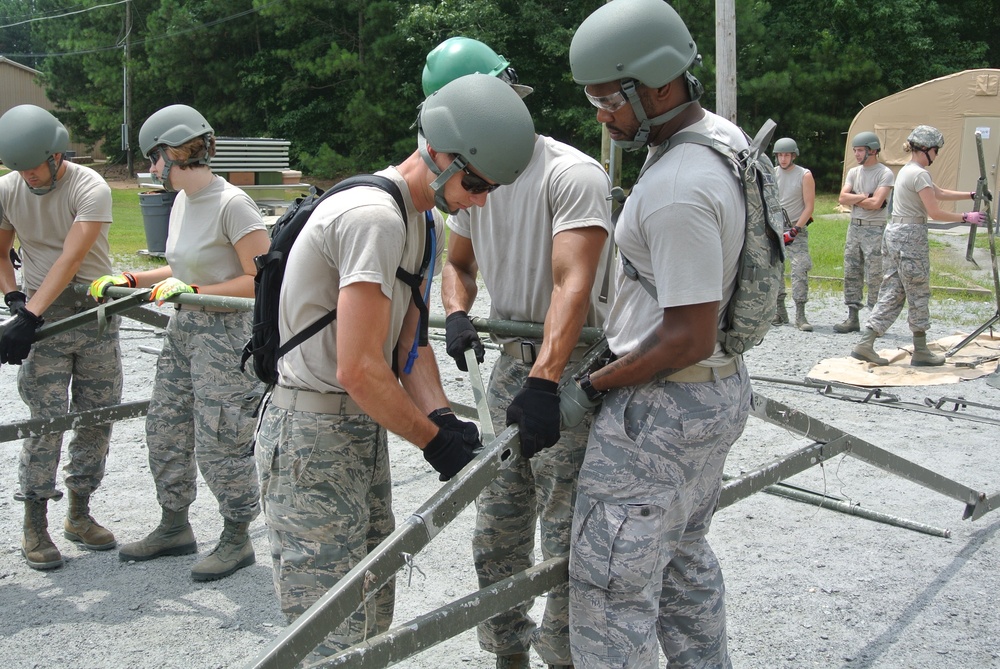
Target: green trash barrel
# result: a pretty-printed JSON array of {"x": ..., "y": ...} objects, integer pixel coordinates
[{"x": 155, "y": 206}]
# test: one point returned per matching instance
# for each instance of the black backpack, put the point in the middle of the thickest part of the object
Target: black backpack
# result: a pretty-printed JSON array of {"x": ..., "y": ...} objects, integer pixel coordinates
[{"x": 264, "y": 345}]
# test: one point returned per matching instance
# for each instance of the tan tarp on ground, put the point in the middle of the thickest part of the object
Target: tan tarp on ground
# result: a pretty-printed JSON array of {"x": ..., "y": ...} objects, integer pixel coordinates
[
  {"x": 899, "y": 372},
  {"x": 958, "y": 105}
]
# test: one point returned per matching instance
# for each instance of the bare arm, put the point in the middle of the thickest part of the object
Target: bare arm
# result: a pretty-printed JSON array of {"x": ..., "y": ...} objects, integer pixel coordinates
[
  {"x": 876, "y": 200},
  {"x": 363, "y": 317},
  {"x": 458, "y": 277},
  {"x": 934, "y": 210},
  {"x": 8, "y": 279},
  {"x": 808, "y": 199},
  {"x": 686, "y": 335},
  {"x": 951, "y": 195},
  {"x": 576, "y": 255},
  {"x": 249, "y": 246},
  {"x": 848, "y": 198},
  {"x": 423, "y": 383},
  {"x": 82, "y": 235}
]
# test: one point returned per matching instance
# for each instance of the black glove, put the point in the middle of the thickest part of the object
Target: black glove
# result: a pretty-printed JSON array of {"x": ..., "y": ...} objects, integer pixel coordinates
[
  {"x": 18, "y": 336},
  {"x": 460, "y": 335},
  {"x": 536, "y": 411},
  {"x": 449, "y": 451},
  {"x": 15, "y": 300},
  {"x": 446, "y": 419},
  {"x": 791, "y": 234}
]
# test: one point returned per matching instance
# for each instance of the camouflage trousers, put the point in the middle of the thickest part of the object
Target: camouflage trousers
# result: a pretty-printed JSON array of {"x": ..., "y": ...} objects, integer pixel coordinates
[
  {"x": 78, "y": 370},
  {"x": 906, "y": 277},
  {"x": 641, "y": 568},
  {"x": 201, "y": 414},
  {"x": 503, "y": 543},
  {"x": 862, "y": 264},
  {"x": 798, "y": 257},
  {"x": 327, "y": 497}
]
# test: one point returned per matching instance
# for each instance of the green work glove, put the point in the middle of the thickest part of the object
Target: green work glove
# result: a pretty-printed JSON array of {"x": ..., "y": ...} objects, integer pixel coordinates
[
  {"x": 167, "y": 288},
  {"x": 575, "y": 402},
  {"x": 98, "y": 286}
]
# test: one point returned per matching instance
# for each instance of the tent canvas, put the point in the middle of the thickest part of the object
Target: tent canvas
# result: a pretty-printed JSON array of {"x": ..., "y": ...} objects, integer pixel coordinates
[{"x": 958, "y": 105}]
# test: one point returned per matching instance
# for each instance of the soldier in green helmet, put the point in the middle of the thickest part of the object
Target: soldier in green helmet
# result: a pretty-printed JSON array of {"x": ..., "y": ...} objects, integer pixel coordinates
[
  {"x": 906, "y": 265},
  {"x": 866, "y": 191},
  {"x": 672, "y": 402},
  {"x": 322, "y": 449},
  {"x": 60, "y": 212},
  {"x": 797, "y": 191},
  {"x": 541, "y": 247}
]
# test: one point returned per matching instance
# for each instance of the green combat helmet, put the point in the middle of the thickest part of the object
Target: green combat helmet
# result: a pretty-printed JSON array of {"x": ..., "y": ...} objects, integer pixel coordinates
[
  {"x": 635, "y": 41},
  {"x": 926, "y": 137},
  {"x": 175, "y": 125},
  {"x": 458, "y": 56},
  {"x": 30, "y": 136},
  {"x": 482, "y": 122},
  {"x": 868, "y": 140},
  {"x": 786, "y": 145}
]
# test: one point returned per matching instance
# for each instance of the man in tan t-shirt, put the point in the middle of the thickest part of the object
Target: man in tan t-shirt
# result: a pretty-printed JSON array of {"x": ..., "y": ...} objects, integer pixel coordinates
[{"x": 60, "y": 213}]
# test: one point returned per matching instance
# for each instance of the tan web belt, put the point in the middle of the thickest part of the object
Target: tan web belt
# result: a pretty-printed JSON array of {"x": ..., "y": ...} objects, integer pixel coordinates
[
  {"x": 297, "y": 399},
  {"x": 701, "y": 374}
]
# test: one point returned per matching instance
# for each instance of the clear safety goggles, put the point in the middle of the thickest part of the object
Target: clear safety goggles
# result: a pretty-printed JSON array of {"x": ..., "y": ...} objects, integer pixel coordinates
[{"x": 609, "y": 103}]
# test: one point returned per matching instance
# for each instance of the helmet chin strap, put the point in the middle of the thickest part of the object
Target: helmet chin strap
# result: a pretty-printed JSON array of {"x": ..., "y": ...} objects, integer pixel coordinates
[
  {"x": 168, "y": 163},
  {"x": 442, "y": 175},
  {"x": 641, "y": 138},
  {"x": 53, "y": 169}
]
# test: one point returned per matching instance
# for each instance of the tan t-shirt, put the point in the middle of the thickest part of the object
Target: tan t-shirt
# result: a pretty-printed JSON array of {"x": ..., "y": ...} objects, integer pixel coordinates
[
  {"x": 561, "y": 189},
  {"x": 42, "y": 222},
  {"x": 912, "y": 179},
  {"x": 866, "y": 179},
  {"x": 682, "y": 228},
  {"x": 354, "y": 236},
  {"x": 203, "y": 229}
]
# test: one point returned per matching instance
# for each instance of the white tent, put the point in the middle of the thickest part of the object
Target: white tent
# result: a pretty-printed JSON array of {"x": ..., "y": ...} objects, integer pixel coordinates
[{"x": 959, "y": 105}]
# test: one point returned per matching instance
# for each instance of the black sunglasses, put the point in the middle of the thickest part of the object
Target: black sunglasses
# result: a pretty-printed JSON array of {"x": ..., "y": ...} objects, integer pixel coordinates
[
  {"x": 475, "y": 184},
  {"x": 155, "y": 154}
]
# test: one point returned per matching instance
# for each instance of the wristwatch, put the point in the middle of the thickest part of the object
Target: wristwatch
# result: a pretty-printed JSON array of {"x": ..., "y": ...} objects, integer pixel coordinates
[{"x": 592, "y": 393}]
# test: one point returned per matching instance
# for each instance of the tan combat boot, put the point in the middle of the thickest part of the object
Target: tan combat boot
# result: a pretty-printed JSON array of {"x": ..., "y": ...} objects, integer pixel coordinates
[
  {"x": 233, "y": 552},
  {"x": 865, "y": 349},
  {"x": 173, "y": 536},
  {"x": 81, "y": 527},
  {"x": 800, "y": 317},
  {"x": 514, "y": 661},
  {"x": 36, "y": 545},
  {"x": 922, "y": 356},
  {"x": 781, "y": 315},
  {"x": 852, "y": 324}
]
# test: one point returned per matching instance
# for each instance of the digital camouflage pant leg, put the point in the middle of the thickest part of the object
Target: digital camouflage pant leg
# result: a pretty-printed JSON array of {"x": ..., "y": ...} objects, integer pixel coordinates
[
  {"x": 862, "y": 264},
  {"x": 79, "y": 370},
  {"x": 201, "y": 414},
  {"x": 327, "y": 497},
  {"x": 801, "y": 262},
  {"x": 541, "y": 488},
  {"x": 641, "y": 569},
  {"x": 906, "y": 278}
]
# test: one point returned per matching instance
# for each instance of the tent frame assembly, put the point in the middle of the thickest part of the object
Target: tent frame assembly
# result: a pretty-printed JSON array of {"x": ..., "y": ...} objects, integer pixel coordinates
[{"x": 397, "y": 552}]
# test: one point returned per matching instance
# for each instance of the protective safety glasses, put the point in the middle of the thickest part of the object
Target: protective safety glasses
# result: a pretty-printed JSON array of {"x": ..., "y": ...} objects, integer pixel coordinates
[
  {"x": 155, "y": 155},
  {"x": 609, "y": 103},
  {"x": 475, "y": 184}
]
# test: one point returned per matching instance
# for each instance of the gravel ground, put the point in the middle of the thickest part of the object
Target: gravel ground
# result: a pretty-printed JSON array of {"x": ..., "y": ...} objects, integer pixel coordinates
[{"x": 807, "y": 587}]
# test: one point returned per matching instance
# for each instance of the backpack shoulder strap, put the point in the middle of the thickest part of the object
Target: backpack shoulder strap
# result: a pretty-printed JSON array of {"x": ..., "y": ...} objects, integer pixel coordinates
[{"x": 376, "y": 181}]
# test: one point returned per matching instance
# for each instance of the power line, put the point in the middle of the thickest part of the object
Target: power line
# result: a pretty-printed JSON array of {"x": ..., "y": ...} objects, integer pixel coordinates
[
  {"x": 59, "y": 16},
  {"x": 201, "y": 26}
]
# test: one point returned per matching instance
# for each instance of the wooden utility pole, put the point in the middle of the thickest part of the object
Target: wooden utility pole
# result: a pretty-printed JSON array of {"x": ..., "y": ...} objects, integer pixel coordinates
[{"x": 725, "y": 59}]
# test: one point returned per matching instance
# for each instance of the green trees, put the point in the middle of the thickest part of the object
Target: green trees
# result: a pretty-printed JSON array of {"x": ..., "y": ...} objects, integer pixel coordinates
[{"x": 341, "y": 79}]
